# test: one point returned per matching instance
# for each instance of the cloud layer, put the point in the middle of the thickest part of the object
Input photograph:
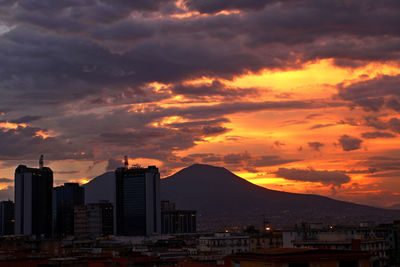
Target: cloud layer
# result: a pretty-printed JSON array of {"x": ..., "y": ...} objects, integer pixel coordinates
[{"x": 264, "y": 87}]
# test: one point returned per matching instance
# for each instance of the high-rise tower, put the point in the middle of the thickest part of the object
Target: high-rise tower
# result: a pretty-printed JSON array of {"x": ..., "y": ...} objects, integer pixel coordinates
[
  {"x": 65, "y": 198},
  {"x": 138, "y": 201},
  {"x": 33, "y": 200}
]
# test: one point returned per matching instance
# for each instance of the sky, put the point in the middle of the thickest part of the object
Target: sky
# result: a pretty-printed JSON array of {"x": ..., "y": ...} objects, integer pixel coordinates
[{"x": 294, "y": 95}]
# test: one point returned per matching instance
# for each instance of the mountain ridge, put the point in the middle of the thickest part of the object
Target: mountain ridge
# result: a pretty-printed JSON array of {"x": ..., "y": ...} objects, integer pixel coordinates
[{"x": 218, "y": 193}]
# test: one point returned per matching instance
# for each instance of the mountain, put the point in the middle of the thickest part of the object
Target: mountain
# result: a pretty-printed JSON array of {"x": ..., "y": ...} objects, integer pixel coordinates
[
  {"x": 223, "y": 199},
  {"x": 100, "y": 188}
]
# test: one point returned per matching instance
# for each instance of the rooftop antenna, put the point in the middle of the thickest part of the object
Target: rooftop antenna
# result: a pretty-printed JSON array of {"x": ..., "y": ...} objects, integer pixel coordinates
[
  {"x": 41, "y": 162},
  {"x": 126, "y": 164}
]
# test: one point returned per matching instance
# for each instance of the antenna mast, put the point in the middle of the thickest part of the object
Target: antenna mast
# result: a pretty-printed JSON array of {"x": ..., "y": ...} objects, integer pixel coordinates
[
  {"x": 126, "y": 164},
  {"x": 41, "y": 162}
]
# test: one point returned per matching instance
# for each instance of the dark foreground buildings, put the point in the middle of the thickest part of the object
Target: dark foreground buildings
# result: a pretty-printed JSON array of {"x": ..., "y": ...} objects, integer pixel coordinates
[
  {"x": 94, "y": 220},
  {"x": 137, "y": 201},
  {"x": 6, "y": 218},
  {"x": 33, "y": 200},
  {"x": 175, "y": 221},
  {"x": 65, "y": 198}
]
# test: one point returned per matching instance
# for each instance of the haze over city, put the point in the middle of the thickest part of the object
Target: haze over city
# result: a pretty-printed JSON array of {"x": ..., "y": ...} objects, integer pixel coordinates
[{"x": 297, "y": 96}]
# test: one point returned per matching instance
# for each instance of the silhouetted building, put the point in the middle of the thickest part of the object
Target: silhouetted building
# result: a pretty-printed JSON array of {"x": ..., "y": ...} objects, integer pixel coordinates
[
  {"x": 377, "y": 240},
  {"x": 175, "y": 221},
  {"x": 7, "y": 218},
  {"x": 33, "y": 200},
  {"x": 297, "y": 257},
  {"x": 65, "y": 198},
  {"x": 96, "y": 219},
  {"x": 137, "y": 201}
]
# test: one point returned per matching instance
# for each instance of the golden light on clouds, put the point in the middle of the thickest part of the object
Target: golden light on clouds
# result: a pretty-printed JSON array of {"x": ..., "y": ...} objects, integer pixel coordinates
[{"x": 10, "y": 125}]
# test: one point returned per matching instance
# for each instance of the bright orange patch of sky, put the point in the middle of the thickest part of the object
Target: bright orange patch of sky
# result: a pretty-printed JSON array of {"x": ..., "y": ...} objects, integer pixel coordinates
[{"x": 259, "y": 130}]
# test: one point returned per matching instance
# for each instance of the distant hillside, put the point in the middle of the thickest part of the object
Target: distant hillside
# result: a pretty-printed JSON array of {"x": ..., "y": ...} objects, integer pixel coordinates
[
  {"x": 224, "y": 199},
  {"x": 101, "y": 187}
]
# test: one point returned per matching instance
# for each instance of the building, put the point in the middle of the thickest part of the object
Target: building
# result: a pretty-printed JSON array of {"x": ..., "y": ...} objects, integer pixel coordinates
[
  {"x": 224, "y": 243},
  {"x": 365, "y": 237},
  {"x": 65, "y": 198},
  {"x": 175, "y": 221},
  {"x": 7, "y": 218},
  {"x": 138, "y": 208},
  {"x": 297, "y": 257},
  {"x": 96, "y": 219},
  {"x": 266, "y": 240},
  {"x": 33, "y": 200}
]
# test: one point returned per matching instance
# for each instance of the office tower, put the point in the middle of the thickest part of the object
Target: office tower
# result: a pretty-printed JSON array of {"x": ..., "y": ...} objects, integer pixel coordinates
[
  {"x": 95, "y": 219},
  {"x": 175, "y": 221},
  {"x": 33, "y": 200},
  {"x": 7, "y": 218},
  {"x": 65, "y": 197},
  {"x": 138, "y": 200}
]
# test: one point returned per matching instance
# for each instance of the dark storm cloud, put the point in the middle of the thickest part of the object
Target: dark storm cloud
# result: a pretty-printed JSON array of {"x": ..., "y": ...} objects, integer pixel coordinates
[
  {"x": 214, "y": 6},
  {"x": 392, "y": 124},
  {"x": 24, "y": 142},
  {"x": 85, "y": 132},
  {"x": 374, "y": 135},
  {"x": 318, "y": 126},
  {"x": 81, "y": 63},
  {"x": 59, "y": 58},
  {"x": 132, "y": 133},
  {"x": 349, "y": 143},
  {"x": 6, "y": 180},
  {"x": 334, "y": 178},
  {"x": 315, "y": 145},
  {"x": 270, "y": 160},
  {"x": 374, "y": 94},
  {"x": 26, "y": 119},
  {"x": 216, "y": 88},
  {"x": 236, "y": 158},
  {"x": 74, "y": 69},
  {"x": 237, "y": 107},
  {"x": 243, "y": 160},
  {"x": 388, "y": 162}
]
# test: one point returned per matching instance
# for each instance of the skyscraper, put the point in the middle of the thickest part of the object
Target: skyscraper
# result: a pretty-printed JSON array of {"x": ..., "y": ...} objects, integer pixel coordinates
[
  {"x": 65, "y": 198},
  {"x": 33, "y": 200},
  {"x": 138, "y": 200},
  {"x": 6, "y": 217}
]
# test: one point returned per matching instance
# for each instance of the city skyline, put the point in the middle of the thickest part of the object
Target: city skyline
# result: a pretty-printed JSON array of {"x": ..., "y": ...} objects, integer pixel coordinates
[{"x": 298, "y": 96}]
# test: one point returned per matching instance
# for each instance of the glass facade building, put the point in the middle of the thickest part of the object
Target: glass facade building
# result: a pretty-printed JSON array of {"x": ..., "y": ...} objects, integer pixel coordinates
[
  {"x": 137, "y": 201},
  {"x": 33, "y": 201}
]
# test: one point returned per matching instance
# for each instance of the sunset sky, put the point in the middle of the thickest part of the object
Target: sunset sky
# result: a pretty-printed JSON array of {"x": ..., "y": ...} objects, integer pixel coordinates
[{"x": 293, "y": 95}]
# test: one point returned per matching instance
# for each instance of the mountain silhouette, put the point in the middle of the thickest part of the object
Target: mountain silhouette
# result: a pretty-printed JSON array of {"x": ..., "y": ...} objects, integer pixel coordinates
[{"x": 224, "y": 199}]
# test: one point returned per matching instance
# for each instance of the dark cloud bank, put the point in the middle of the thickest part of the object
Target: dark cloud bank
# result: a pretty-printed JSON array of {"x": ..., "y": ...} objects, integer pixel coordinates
[{"x": 72, "y": 67}]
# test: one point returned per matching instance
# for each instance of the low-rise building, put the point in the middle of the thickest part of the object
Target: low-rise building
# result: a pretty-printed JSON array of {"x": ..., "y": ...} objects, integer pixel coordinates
[
  {"x": 298, "y": 257},
  {"x": 365, "y": 237},
  {"x": 266, "y": 240},
  {"x": 220, "y": 245},
  {"x": 174, "y": 221},
  {"x": 96, "y": 219}
]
